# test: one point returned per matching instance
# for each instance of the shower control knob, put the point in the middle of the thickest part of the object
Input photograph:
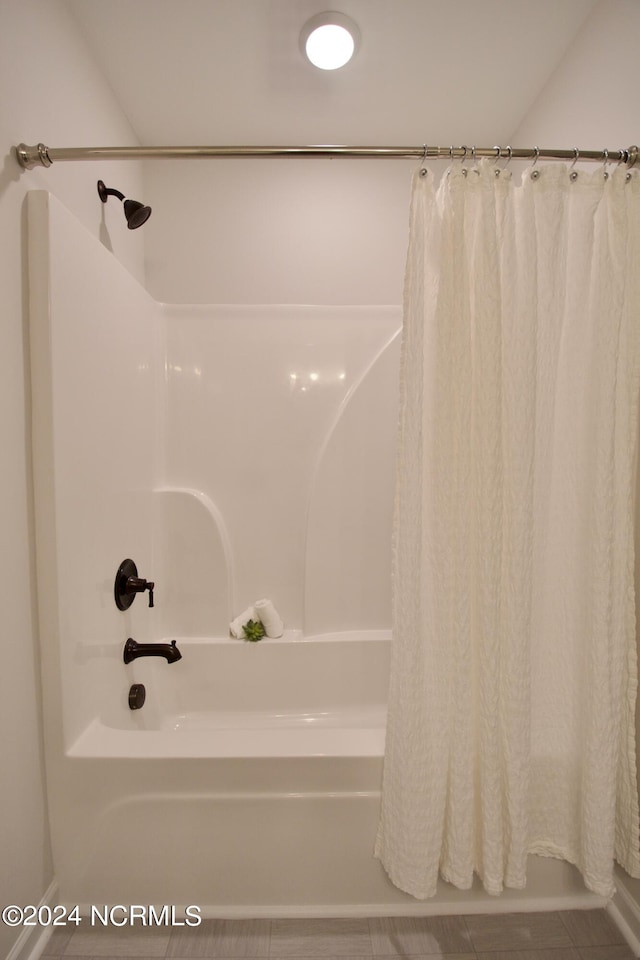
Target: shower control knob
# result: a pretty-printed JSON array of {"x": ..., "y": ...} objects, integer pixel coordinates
[
  {"x": 128, "y": 584},
  {"x": 135, "y": 585}
]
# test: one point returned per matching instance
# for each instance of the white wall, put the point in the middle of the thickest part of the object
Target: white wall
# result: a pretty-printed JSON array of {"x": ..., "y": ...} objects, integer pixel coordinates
[
  {"x": 591, "y": 100},
  {"x": 50, "y": 92},
  {"x": 332, "y": 232},
  {"x": 284, "y": 417},
  {"x": 278, "y": 231},
  {"x": 96, "y": 344}
]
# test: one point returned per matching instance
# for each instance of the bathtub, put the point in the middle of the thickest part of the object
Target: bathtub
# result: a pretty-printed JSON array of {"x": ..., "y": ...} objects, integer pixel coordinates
[
  {"x": 248, "y": 785},
  {"x": 248, "y": 782}
]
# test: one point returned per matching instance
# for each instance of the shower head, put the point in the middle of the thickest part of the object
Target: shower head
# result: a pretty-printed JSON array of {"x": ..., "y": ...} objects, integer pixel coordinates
[{"x": 136, "y": 213}]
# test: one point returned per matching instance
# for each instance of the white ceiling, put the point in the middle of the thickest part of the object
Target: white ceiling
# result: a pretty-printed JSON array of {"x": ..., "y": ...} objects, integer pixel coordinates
[{"x": 231, "y": 71}]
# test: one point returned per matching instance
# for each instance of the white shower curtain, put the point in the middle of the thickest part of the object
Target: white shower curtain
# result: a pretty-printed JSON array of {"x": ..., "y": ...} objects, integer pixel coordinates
[{"x": 513, "y": 680}]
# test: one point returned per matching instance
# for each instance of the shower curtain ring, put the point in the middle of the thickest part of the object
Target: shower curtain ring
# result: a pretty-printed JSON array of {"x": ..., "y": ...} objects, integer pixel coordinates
[
  {"x": 423, "y": 169},
  {"x": 573, "y": 174},
  {"x": 624, "y": 158},
  {"x": 605, "y": 161},
  {"x": 462, "y": 160},
  {"x": 535, "y": 174}
]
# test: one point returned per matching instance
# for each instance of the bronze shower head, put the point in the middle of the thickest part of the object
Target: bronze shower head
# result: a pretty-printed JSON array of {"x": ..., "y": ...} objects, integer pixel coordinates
[{"x": 136, "y": 213}]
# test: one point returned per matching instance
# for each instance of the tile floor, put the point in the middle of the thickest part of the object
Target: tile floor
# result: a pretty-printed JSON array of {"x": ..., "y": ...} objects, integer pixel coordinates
[{"x": 569, "y": 935}]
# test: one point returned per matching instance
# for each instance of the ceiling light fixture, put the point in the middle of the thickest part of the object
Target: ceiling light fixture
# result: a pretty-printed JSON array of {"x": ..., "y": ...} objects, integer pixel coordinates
[{"x": 329, "y": 40}]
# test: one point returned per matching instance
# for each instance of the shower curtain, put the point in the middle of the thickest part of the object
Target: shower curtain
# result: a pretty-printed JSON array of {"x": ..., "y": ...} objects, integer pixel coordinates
[{"x": 511, "y": 725}]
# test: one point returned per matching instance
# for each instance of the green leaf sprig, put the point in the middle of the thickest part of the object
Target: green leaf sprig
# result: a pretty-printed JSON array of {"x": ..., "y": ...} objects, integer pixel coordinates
[{"x": 253, "y": 630}]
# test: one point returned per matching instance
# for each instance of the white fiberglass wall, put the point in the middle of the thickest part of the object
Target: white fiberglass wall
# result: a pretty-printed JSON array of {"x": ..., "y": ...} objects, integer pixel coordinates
[
  {"x": 281, "y": 420},
  {"x": 94, "y": 348},
  {"x": 232, "y": 452}
]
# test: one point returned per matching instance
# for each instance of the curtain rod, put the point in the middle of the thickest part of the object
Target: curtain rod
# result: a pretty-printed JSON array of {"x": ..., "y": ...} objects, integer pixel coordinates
[{"x": 31, "y": 156}]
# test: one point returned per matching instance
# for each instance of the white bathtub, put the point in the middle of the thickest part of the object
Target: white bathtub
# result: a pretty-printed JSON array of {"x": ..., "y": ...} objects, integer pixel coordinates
[
  {"x": 249, "y": 782},
  {"x": 248, "y": 785}
]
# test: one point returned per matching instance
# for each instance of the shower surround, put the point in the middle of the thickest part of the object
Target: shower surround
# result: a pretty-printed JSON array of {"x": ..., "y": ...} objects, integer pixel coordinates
[{"x": 233, "y": 452}]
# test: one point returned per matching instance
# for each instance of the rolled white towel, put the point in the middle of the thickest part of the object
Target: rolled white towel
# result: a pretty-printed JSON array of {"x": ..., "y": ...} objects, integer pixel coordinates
[
  {"x": 235, "y": 627},
  {"x": 268, "y": 615}
]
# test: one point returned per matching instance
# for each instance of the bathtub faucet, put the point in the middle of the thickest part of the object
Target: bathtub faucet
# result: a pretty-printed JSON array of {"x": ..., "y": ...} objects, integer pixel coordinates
[{"x": 133, "y": 650}]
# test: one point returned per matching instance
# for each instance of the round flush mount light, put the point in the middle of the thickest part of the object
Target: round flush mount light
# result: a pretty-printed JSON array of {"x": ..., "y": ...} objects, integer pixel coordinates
[{"x": 329, "y": 40}]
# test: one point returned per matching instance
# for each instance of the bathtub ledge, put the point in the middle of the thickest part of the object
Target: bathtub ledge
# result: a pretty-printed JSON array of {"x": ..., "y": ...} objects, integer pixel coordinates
[{"x": 100, "y": 741}]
